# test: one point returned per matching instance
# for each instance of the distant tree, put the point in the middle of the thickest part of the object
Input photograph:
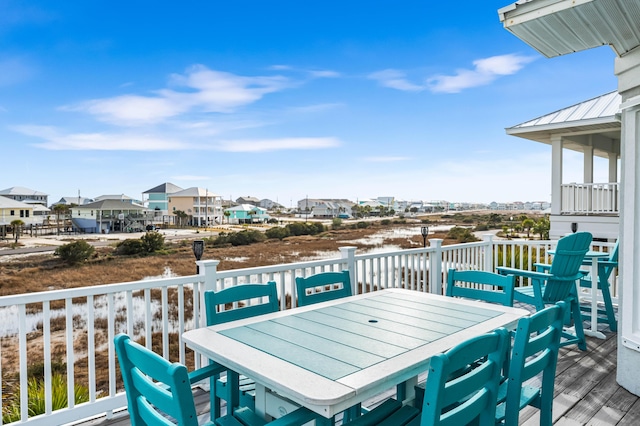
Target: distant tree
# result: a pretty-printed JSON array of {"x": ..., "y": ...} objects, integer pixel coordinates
[
  {"x": 181, "y": 215},
  {"x": 227, "y": 214},
  {"x": 542, "y": 227},
  {"x": 59, "y": 210},
  {"x": 17, "y": 225},
  {"x": 528, "y": 224},
  {"x": 413, "y": 210}
]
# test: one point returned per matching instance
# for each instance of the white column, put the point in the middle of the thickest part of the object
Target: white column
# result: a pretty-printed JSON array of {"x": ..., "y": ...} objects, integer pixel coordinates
[
  {"x": 613, "y": 167},
  {"x": 588, "y": 163},
  {"x": 556, "y": 175},
  {"x": 628, "y": 72}
]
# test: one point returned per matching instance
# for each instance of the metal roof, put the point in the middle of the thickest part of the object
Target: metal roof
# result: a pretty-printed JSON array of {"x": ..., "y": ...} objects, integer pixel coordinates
[
  {"x": 165, "y": 188},
  {"x": 558, "y": 27},
  {"x": 599, "y": 117},
  {"x": 21, "y": 190}
]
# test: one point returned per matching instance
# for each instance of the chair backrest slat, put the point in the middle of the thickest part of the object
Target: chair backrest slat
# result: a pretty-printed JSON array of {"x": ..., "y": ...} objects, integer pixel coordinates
[
  {"x": 250, "y": 300},
  {"x": 565, "y": 266},
  {"x": 323, "y": 287},
  {"x": 502, "y": 291}
]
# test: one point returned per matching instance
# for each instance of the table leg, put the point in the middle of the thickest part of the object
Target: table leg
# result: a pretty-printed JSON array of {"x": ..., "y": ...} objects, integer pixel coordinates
[
  {"x": 261, "y": 400},
  {"x": 593, "y": 332}
]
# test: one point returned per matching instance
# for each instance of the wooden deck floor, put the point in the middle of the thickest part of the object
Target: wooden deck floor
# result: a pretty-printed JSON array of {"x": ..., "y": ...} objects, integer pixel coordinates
[{"x": 586, "y": 391}]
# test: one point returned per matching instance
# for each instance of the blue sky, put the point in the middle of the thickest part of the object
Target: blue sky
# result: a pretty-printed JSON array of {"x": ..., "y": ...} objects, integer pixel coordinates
[{"x": 281, "y": 99}]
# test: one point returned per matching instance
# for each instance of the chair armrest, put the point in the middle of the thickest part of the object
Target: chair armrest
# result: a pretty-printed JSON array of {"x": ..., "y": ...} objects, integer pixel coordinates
[
  {"x": 205, "y": 372},
  {"x": 523, "y": 273},
  {"x": 542, "y": 267}
]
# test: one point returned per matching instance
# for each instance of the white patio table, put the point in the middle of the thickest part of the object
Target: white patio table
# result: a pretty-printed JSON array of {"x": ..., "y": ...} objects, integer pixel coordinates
[{"x": 332, "y": 355}]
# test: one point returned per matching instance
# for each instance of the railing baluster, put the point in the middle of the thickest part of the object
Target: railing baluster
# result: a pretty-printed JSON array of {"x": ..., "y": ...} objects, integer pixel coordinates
[{"x": 91, "y": 348}]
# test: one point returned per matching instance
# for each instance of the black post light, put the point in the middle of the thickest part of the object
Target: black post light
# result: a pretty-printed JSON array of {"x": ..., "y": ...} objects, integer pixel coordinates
[
  {"x": 574, "y": 227},
  {"x": 198, "y": 250},
  {"x": 424, "y": 231}
]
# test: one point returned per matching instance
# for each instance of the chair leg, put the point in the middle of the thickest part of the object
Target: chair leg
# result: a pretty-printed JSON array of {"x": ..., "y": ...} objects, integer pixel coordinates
[
  {"x": 608, "y": 305},
  {"x": 577, "y": 320}
]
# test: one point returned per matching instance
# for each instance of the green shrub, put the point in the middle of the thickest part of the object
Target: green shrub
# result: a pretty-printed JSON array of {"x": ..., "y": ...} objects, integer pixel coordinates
[
  {"x": 36, "y": 398},
  {"x": 482, "y": 227},
  {"x": 273, "y": 221},
  {"x": 462, "y": 235},
  {"x": 75, "y": 252},
  {"x": 277, "y": 232},
  {"x": 300, "y": 228},
  {"x": 130, "y": 247},
  {"x": 152, "y": 241},
  {"x": 242, "y": 238},
  {"x": 385, "y": 222},
  {"x": 336, "y": 223},
  {"x": 361, "y": 225}
]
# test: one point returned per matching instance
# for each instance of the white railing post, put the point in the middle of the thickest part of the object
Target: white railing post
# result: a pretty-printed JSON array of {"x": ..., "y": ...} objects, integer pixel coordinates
[
  {"x": 435, "y": 267},
  {"x": 208, "y": 272},
  {"x": 208, "y": 268},
  {"x": 488, "y": 252},
  {"x": 348, "y": 253}
]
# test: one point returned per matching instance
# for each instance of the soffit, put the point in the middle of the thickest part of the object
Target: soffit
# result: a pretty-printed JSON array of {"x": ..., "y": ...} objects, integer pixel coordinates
[{"x": 558, "y": 27}]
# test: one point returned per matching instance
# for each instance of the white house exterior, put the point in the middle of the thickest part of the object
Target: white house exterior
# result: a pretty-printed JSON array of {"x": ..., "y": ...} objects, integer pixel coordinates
[
  {"x": 11, "y": 210},
  {"x": 592, "y": 128},
  {"x": 561, "y": 27},
  {"x": 26, "y": 195}
]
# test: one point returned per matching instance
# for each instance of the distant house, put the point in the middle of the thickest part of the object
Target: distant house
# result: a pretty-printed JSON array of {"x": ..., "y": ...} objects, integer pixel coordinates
[
  {"x": 119, "y": 197},
  {"x": 246, "y": 213},
  {"x": 11, "y": 210},
  {"x": 248, "y": 200},
  {"x": 269, "y": 204},
  {"x": 78, "y": 201},
  {"x": 106, "y": 216},
  {"x": 26, "y": 195},
  {"x": 200, "y": 205},
  {"x": 158, "y": 198}
]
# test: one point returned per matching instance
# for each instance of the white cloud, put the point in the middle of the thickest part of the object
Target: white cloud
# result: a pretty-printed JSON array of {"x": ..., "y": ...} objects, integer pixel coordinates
[
  {"x": 395, "y": 79},
  {"x": 199, "y": 88},
  {"x": 484, "y": 72},
  {"x": 385, "y": 159},
  {"x": 262, "y": 145},
  {"x": 56, "y": 140},
  {"x": 324, "y": 74}
]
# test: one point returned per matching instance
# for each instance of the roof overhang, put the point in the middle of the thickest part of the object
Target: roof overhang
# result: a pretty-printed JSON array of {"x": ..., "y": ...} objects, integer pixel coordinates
[{"x": 558, "y": 27}]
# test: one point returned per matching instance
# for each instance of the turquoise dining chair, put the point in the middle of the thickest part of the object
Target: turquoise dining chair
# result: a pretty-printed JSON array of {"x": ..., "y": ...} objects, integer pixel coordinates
[
  {"x": 481, "y": 285},
  {"x": 534, "y": 352},
  {"x": 234, "y": 303},
  {"x": 558, "y": 283},
  {"x": 159, "y": 392},
  {"x": 605, "y": 268},
  {"x": 323, "y": 287},
  {"x": 471, "y": 397}
]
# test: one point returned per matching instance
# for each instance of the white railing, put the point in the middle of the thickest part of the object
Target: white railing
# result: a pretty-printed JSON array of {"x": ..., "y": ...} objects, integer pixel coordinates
[
  {"x": 73, "y": 329},
  {"x": 590, "y": 198}
]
